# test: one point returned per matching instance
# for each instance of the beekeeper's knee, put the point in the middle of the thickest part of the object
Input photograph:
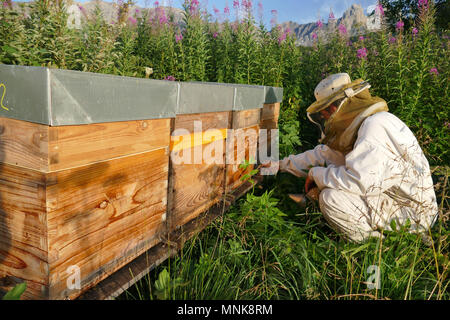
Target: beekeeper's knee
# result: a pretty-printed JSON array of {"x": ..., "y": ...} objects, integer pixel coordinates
[{"x": 328, "y": 200}]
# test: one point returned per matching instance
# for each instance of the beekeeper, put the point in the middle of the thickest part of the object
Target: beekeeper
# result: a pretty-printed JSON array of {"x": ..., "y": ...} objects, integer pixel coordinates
[{"x": 368, "y": 167}]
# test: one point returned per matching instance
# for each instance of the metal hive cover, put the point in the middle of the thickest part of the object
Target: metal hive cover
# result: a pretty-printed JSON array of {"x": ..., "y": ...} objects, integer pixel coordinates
[{"x": 63, "y": 97}]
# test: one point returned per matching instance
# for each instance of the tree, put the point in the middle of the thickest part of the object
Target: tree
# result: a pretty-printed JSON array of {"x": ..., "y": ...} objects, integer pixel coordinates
[{"x": 407, "y": 10}]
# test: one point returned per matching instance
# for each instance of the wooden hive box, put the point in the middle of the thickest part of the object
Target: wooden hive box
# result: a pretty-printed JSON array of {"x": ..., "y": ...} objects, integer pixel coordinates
[{"x": 87, "y": 177}]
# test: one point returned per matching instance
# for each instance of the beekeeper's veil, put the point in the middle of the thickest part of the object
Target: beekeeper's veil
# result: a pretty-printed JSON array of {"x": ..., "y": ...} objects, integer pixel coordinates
[{"x": 354, "y": 104}]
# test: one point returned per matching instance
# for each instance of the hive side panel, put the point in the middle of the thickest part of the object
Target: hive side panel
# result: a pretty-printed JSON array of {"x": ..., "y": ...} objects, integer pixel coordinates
[
  {"x": 23, "y": 231},
  {"x": 72, "y": 146},
  {"x": 198, "y": 181},
  {"x": 24, "y": 144},
  {"x": 269, "y": 120},
  {"x": 102, "y": 215}
]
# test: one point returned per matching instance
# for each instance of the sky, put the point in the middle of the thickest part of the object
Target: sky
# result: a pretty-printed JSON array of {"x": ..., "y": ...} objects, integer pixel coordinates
[{"x": 300, "y": 11}]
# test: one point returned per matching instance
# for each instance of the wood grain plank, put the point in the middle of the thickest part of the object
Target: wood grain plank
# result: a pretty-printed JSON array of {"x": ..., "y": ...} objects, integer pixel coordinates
[
  {"x": 270, "y": 111},
  {"x": 246, "y": 118},
  {"x": 24, "y": 144},
  {"x": 23, "y": 230},
  {"x": 72, "y": 146},
  {"x": 102, "y": 215},
  {"x": 196, "y": 187},
  {"x": 213, "y": 120}
]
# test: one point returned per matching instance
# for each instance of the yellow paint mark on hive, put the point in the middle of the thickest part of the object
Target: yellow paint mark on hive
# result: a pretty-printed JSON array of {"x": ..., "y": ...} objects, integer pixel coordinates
[
  {"x": 3, "y": 96},
  {"x": 196, "y": 139}
]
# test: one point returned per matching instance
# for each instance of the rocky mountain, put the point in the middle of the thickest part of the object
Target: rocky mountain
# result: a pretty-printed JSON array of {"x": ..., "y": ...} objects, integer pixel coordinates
[{"x": 354, "y": 20}]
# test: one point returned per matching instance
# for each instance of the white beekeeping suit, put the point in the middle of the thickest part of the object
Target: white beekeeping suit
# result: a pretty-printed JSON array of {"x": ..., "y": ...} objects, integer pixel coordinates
[{"x": 369, "y": 169}]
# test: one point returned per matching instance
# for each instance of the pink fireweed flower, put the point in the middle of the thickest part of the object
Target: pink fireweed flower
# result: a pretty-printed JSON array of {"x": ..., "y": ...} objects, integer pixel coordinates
[
  {"x": 379, "y": 9},
  {"x": 314, "y": 36},
  {"x": 236, "y": 4},
  {"x": 132, "y": 20},
  {"x": 434, "y": 71},
  {"x": 156, "y": 4},
  {"x": 331, "y": 16},
  {"x": 361, "y": 38},
  {"x": 260, "y": 10},
  {"x": 282, "y": 37},
  {"x": 178, "y": 38},
  {"x": 319, "y": 24},
  {"x": 260, "y": 5},
  {"x": 137, "y": 11},
  {"x": 423, "y": 4},
  {"x": 247, "y": 5},
  {"x": 226, "y": 10},
  {"x": 215, "y": 35},
  {"x": 392, "y": 40},
  {"x": 362, "y": 53},
  {"x": 447, "y": 124},
  {"x": 415, "y": 31},
  {"x": 349, "y": 43},
  {"x": 342, "y": 29},
  {"x": 193, "y": 6},
  {"x": 82, "y": 9},
  {"x": 216, "y": 11},
  {"x": 399, "y": 25},
  {"x": 273, "y": 21},
  {"x": 169, "y": 78},
  {"x": 163, "y": 19}
]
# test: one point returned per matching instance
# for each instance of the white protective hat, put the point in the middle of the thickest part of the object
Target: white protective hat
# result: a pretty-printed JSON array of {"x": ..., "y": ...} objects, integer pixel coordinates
[
  {"x": 335, "y": 87},
  {"x": 331, "y": 85}
]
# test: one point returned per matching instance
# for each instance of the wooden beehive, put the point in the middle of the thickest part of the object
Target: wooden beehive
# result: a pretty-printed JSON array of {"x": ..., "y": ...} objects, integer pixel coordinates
[{"x": 86, "y": 176}]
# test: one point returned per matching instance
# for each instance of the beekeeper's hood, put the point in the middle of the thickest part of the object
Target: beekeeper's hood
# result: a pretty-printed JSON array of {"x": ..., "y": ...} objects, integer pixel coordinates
[{"x": 354, "y": 104}]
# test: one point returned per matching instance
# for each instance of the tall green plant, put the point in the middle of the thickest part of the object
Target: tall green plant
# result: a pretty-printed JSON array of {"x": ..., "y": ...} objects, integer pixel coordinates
[{"x": 195, "y": 43}]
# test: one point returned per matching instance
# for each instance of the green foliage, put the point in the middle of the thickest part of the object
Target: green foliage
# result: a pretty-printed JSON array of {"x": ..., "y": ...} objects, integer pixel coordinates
[
  {"x": 195, "y": 43},
  {"x": 16, "y": 292},
  {"x": 164, "y": 285},
  {"x": 248, "y": 173},
  {"x": 408, "y": 10}
]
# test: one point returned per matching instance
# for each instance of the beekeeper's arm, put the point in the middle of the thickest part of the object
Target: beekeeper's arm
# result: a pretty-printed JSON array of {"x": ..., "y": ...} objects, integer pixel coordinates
[
  {"x": 321, "y": 155},
  {"x": 365, "y": 170}
]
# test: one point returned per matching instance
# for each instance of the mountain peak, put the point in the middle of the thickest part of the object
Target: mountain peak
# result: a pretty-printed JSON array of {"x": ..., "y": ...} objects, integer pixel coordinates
[{"x": 354, "y": 19}]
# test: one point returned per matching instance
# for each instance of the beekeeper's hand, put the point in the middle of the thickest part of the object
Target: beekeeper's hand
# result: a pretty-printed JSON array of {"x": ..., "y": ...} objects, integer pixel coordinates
[
  {"x": 269, "y": 168},
  {"x": 309, "y": 184}
]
